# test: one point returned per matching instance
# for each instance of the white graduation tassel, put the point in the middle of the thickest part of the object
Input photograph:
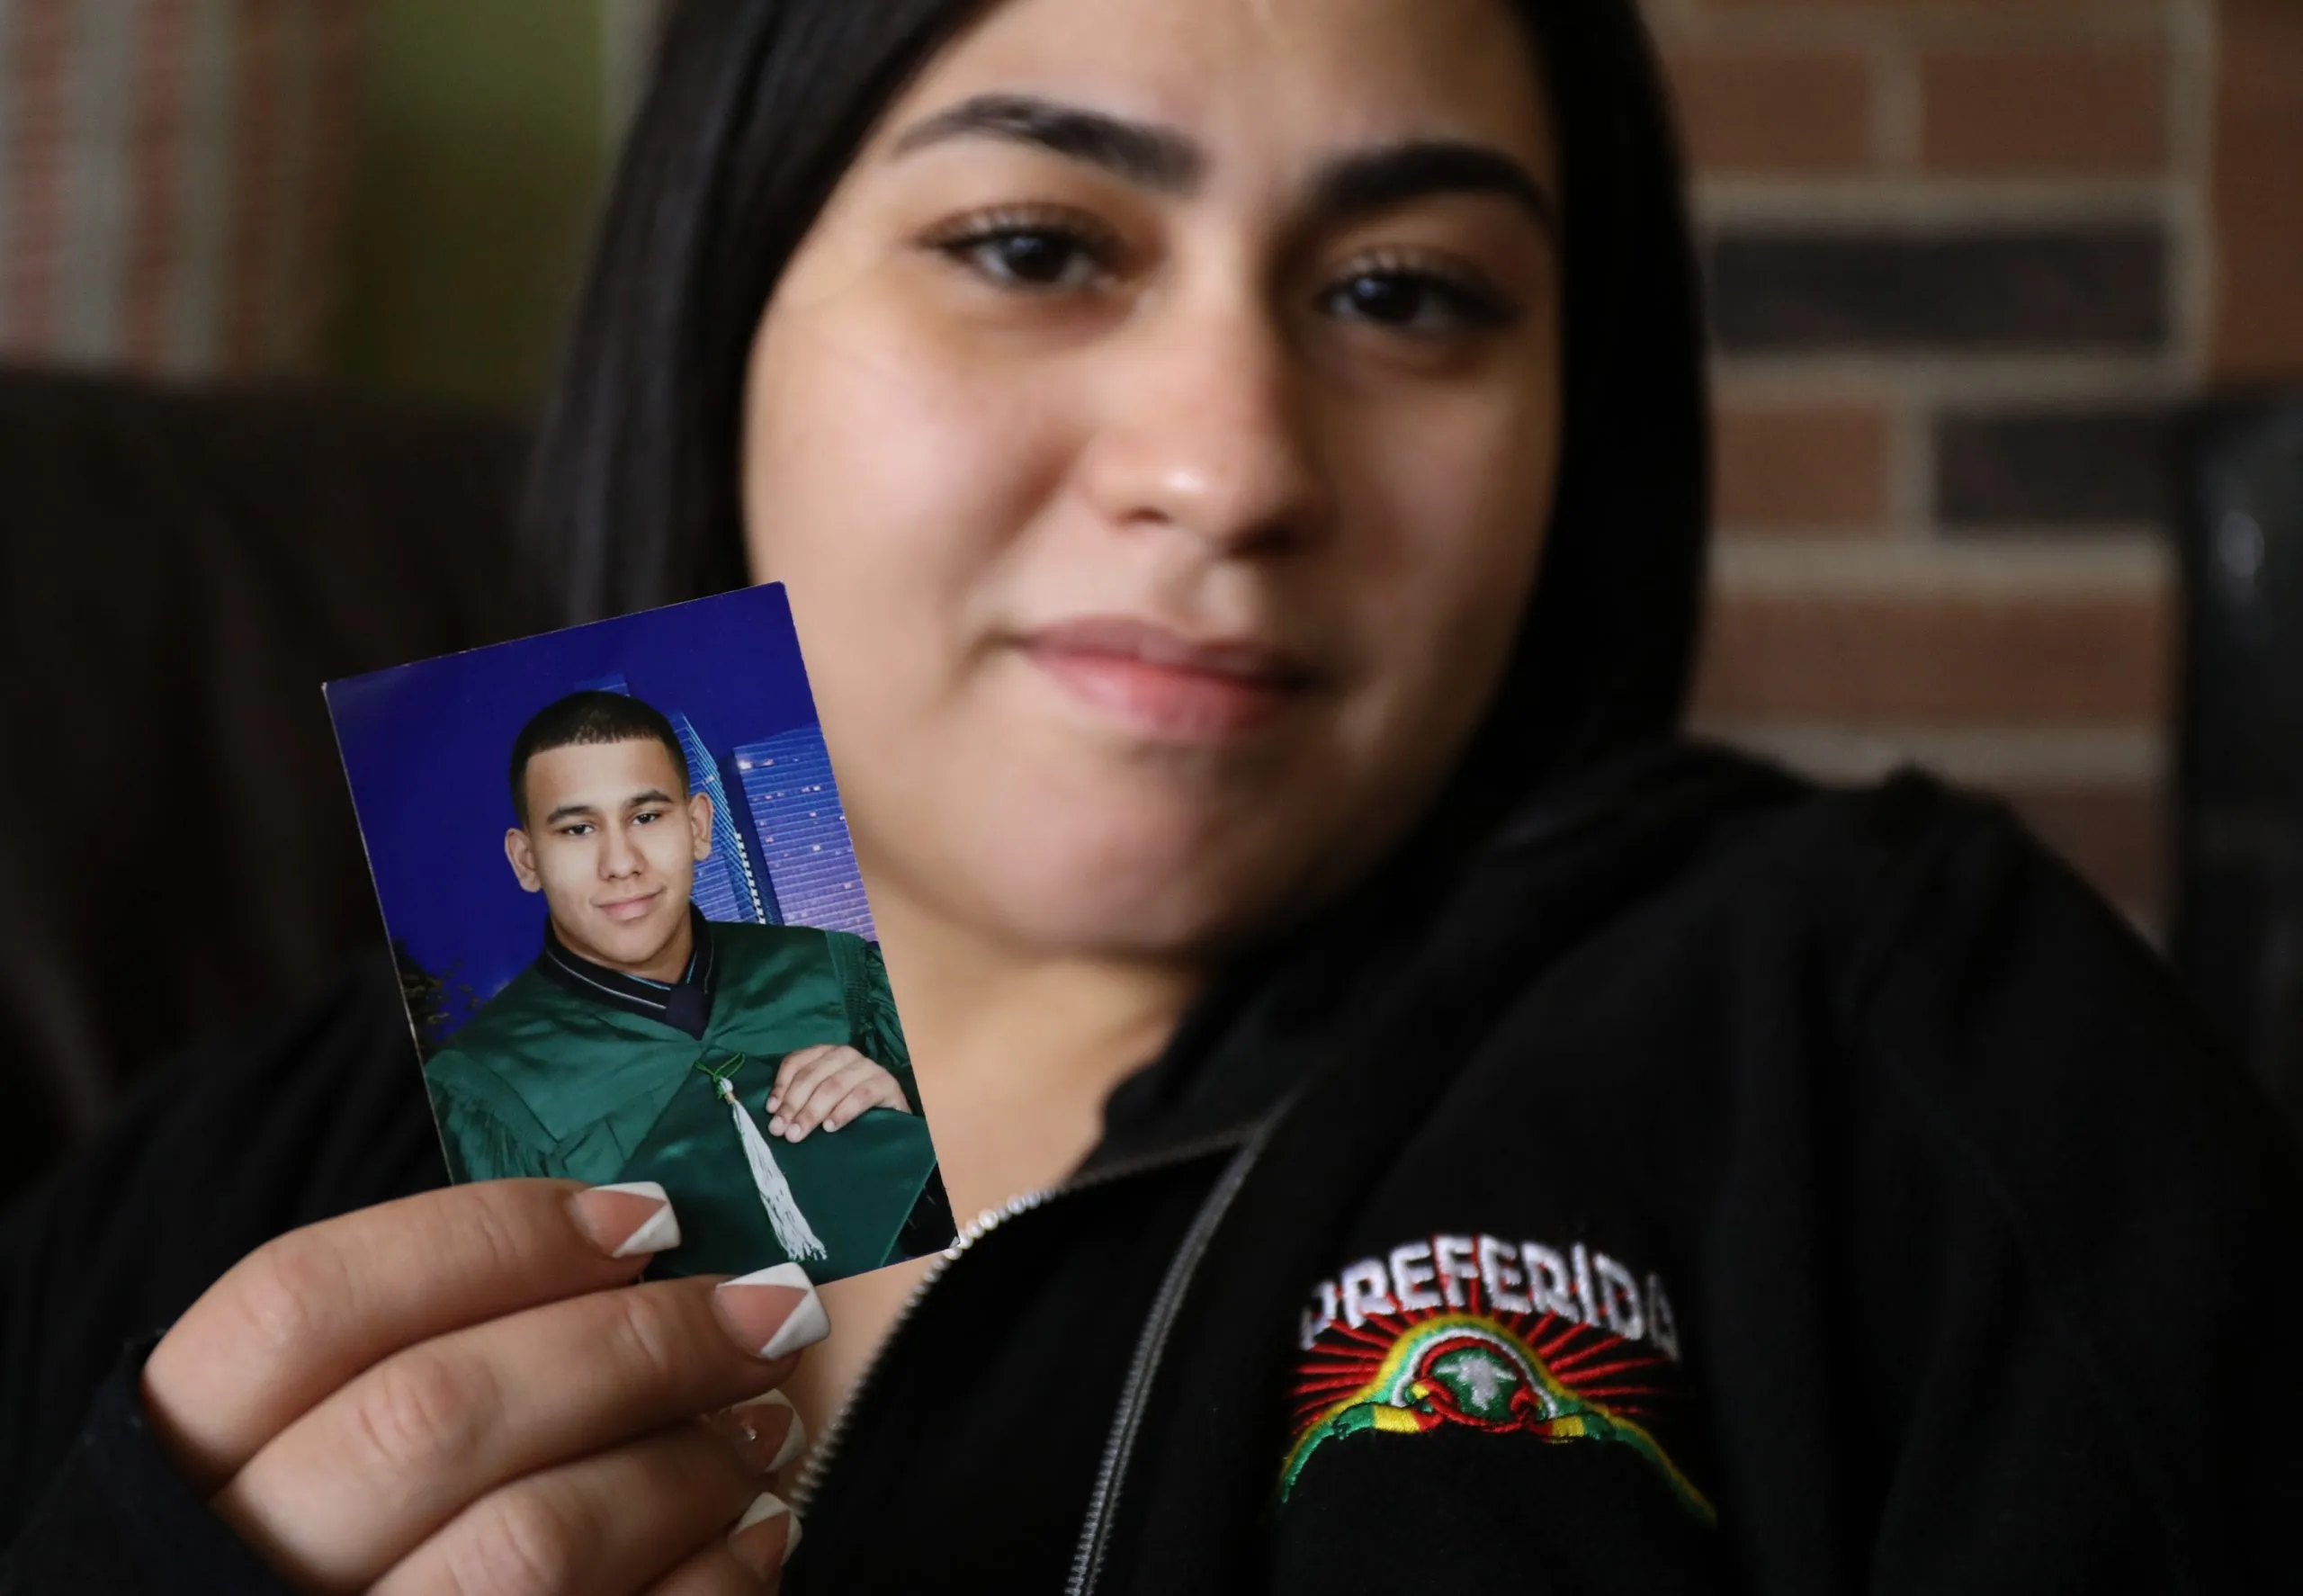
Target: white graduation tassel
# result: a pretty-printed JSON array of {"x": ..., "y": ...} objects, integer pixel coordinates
[{"x": 793, "y": 1231}]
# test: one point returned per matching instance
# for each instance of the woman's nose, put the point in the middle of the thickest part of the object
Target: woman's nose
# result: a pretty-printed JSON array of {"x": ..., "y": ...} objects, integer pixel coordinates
[{"x": 1204, "y": 424}]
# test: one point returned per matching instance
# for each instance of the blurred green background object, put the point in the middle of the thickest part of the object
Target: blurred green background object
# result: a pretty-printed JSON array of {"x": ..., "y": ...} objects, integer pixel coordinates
[
  {"x": 486, "y": 138},
  {"x": 391, "y": 197}
]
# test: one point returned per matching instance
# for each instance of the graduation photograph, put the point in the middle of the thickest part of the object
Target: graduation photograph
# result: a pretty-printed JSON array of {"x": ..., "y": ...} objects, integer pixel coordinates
[{"x": 631, "y": 937}]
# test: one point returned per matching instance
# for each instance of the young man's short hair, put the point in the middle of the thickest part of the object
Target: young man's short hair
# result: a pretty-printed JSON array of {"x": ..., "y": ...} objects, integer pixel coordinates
[{"x": 592, "y": 716}]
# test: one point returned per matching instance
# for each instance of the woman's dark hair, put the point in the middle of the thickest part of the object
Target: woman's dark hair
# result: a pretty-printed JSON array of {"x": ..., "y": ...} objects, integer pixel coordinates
[{"x": 755, "y": 110}]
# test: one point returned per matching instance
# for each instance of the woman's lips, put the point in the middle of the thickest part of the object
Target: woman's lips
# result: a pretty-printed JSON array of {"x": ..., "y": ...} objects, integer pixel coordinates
[
  {"x": 1166, "y": 684},
  {"x": 626, "y": 910}
]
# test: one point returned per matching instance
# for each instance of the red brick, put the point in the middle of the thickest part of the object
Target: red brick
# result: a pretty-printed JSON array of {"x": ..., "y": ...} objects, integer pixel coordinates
[
  {"x": 2258, "y": 216},
  {"x": 2082, "y": 287},
  {"x": 1750, "y": 111},
  {"x": 1935, "y": 658},
  {"x": 1801, "y": 467},
  {"x": 2086, "y": 109}
]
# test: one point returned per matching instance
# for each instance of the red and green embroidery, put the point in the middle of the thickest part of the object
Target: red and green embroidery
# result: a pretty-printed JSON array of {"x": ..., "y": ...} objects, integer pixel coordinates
[{"x": 1543, "y": 1374}]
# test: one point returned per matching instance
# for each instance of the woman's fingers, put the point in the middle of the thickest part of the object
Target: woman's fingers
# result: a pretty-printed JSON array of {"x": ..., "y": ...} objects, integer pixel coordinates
[
  {"x": 612, "y": 1524},
  {"x": 351, "y": 1488},
  {"x": 306, "y": 1312}
]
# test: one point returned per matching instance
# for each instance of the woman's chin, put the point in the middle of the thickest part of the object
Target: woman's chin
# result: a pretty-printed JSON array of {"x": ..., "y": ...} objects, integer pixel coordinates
[
  {"x": 1185, "y": 894},
  {"x": 1090, "y": 858}
]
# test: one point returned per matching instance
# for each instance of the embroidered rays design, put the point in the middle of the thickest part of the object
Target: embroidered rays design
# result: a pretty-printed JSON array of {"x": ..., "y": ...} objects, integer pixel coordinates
[{"x": 1408, "y": 1374}]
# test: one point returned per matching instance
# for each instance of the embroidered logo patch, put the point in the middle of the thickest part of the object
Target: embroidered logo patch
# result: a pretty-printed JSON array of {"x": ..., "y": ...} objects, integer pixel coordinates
[{"x": 1490, "y": 1335}]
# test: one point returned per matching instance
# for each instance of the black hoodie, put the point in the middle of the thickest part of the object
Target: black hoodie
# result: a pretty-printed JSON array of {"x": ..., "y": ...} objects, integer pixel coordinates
[
  {"x": 1717, "y": 1185},
  {"x": 1724, "y": 1185},
  {"x": 1661, "y": 1176}
]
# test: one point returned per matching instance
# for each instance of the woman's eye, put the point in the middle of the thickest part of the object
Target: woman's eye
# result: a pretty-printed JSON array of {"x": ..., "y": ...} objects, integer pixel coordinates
[
  {"x": 1416, "y": 302},
  {"x": 1033, "y": 255}
]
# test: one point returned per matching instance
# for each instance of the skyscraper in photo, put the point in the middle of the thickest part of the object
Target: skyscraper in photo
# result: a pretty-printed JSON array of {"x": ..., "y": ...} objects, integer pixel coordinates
[
  {"x": 747, "y": 824},
  {"x": 726, "y": 888},
  {"x": 802, "y": 831}
]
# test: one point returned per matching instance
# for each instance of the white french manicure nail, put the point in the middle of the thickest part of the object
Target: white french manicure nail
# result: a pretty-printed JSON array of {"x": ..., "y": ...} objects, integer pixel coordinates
[
  {"x": 765, "y": 1508},
  {"x": 603, "y": 1211},
  {"x": 661, "y": 1234},
  {"x": 803, "y": 1324},
  {"x": 796, "y": 1434}
]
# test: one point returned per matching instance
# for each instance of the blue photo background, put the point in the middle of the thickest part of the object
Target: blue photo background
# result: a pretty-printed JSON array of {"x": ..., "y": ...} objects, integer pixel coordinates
[{"x": 427, "y": 746}]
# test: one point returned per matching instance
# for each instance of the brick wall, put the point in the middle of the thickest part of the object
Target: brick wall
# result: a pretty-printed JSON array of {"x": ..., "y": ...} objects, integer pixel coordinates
[
  {"x": 2257, "y": 192},
  {"x": 1966, "y": 257}
]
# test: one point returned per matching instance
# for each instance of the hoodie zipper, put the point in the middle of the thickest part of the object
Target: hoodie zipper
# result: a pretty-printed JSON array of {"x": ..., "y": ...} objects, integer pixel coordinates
[
  {"x": 819, "y": 1458},
  {"x": 1119, "y": 1450}
]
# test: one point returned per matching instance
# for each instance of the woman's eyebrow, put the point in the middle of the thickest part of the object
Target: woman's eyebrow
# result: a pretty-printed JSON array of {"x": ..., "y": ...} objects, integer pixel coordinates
[
  {"x": 1168, "y": 161},
  {"x": 1152, "y": 157},
  {"x": 1371, "y": 179}
]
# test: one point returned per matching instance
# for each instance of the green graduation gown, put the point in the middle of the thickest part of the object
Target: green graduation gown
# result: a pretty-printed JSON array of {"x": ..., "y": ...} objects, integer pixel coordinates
[{"x": 543, "y": 1080}]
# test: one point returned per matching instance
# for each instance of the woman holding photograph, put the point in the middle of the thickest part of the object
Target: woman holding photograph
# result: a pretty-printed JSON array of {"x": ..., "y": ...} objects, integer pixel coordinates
[{"x": 1238, "y": 469}]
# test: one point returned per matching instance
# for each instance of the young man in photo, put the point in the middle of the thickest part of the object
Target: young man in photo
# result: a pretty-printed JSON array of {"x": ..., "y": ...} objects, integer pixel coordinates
[{"x": 756, "y": 1072}]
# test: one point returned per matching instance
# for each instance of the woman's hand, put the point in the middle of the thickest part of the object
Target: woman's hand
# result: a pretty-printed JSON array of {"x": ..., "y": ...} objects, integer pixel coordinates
[
  {"x": 466, "y": 1390},
  {"x": 830, "y": 1085}
]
